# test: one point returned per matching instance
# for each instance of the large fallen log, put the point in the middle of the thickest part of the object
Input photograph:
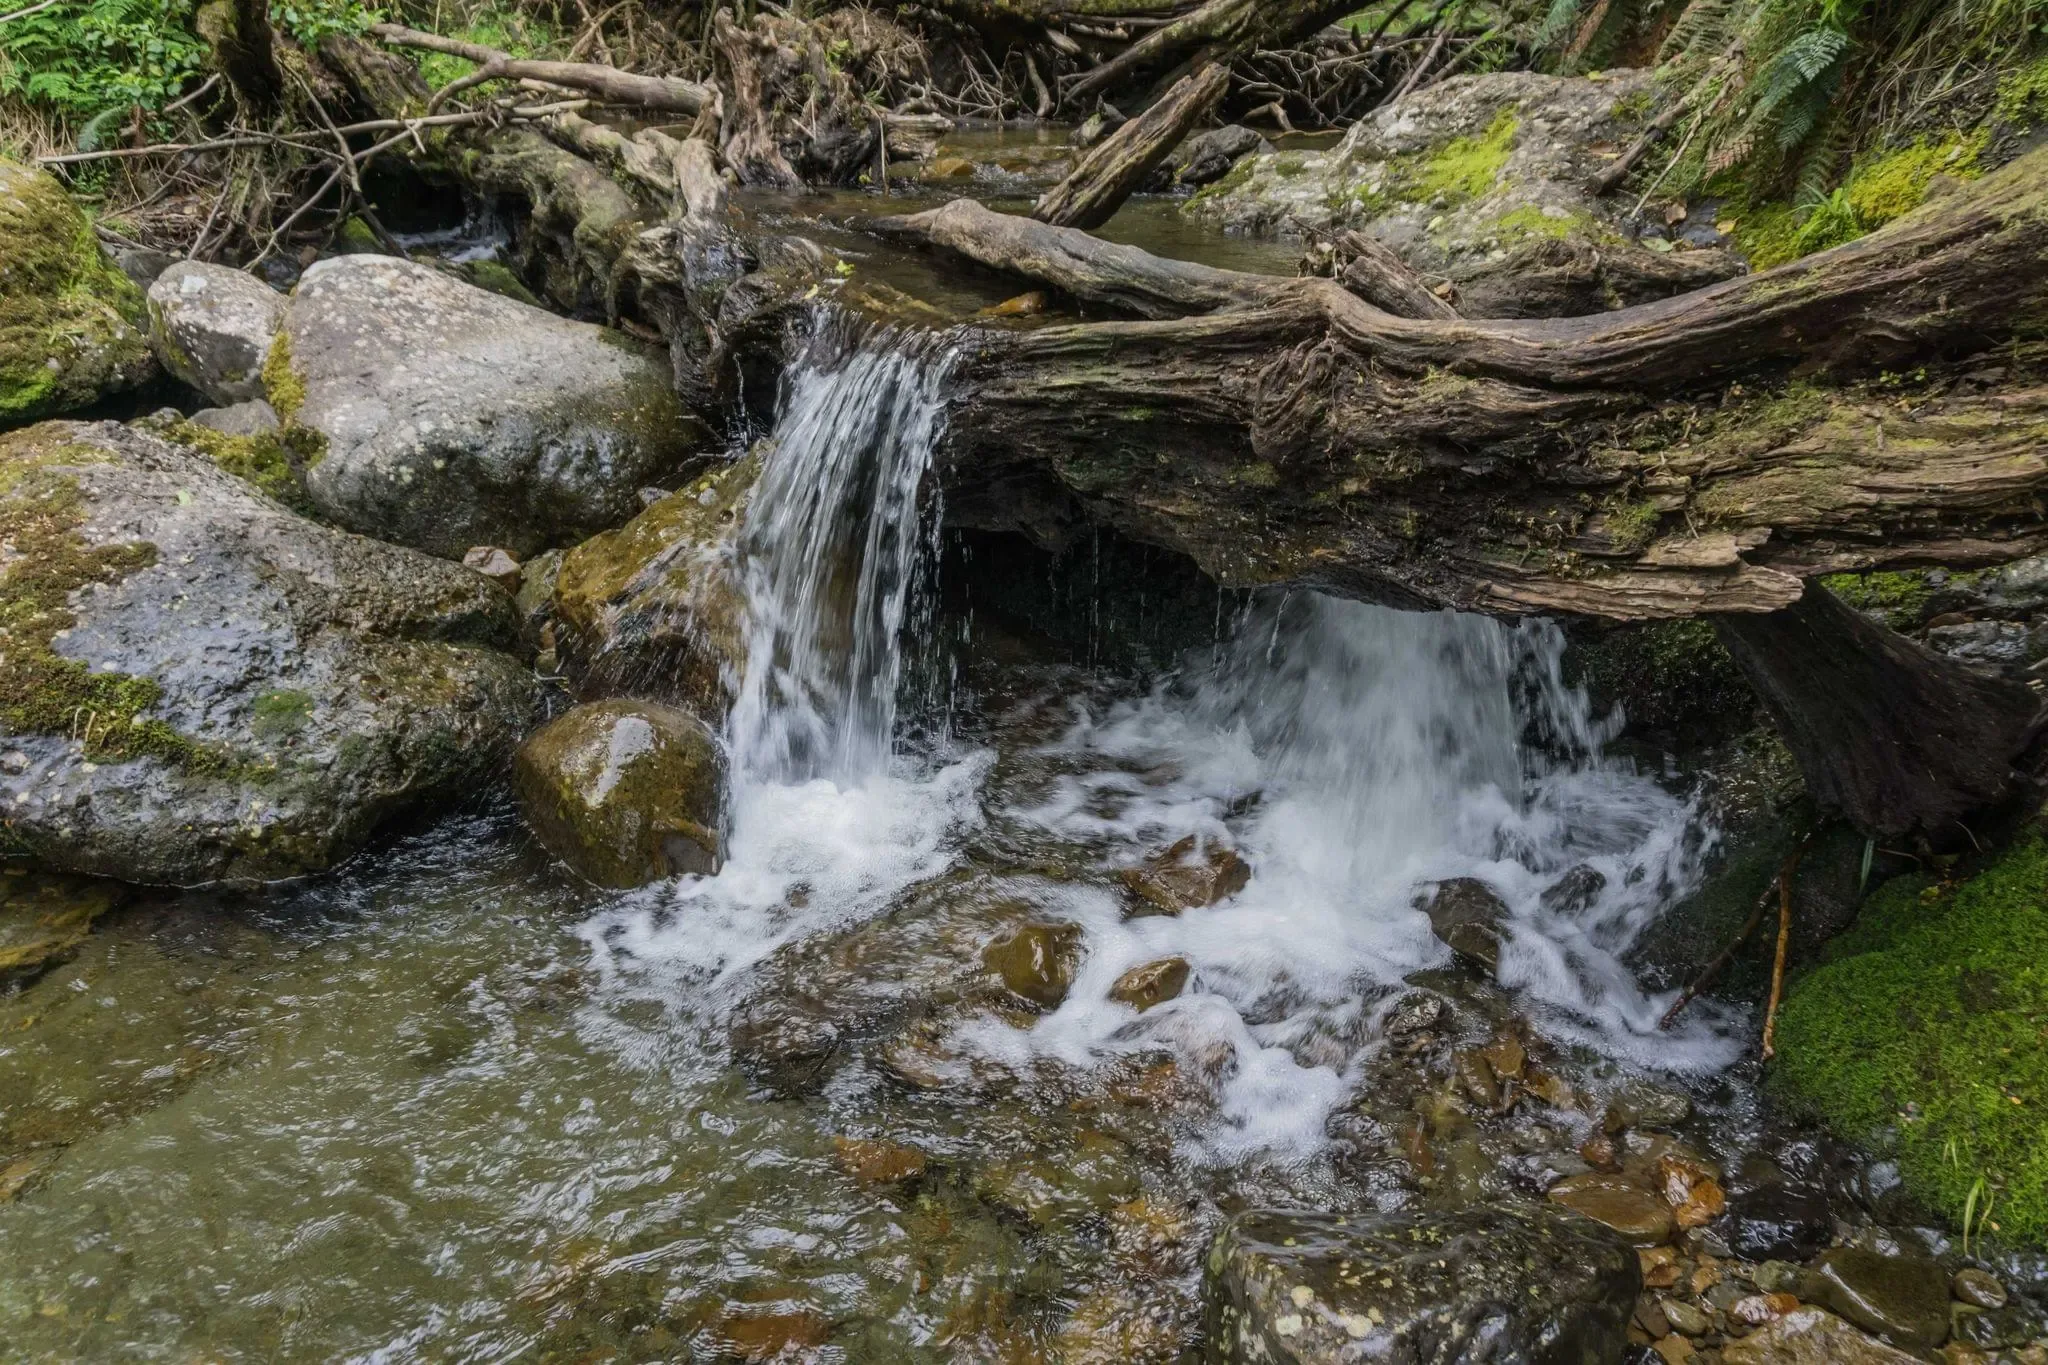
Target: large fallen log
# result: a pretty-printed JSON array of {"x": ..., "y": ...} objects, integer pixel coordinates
[
  {"x": 1658, "y": 461},
  {"x": 1116, "y": 167},
  {"x": 663, "y": 94}
]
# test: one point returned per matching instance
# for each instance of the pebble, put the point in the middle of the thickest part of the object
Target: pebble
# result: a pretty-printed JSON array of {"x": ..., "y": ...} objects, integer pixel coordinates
[
  {"x": 1903, "y": 1299},
  {"x": 1978, "y": 1289},
  {"x": 1684, "y": 1317},
  {"x": 1632, "y": 1211}
]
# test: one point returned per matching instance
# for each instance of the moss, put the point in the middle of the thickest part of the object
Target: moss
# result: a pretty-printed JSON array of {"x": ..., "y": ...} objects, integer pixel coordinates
[
  {"x": 500, "y": 279},
  {"x": 1900, "y": 597},
  {"x": 1632, "y": 107},
  {"x": 282, "y": 384},
  {"x": 355, "y": 237},
  {"x": 1462, "y": 169},
  {"x": 41, "y": 691},
  {"x": 1289, "y": 166},
  {"x": 1767, "y": 234},
  {"x": 283, "y": 711},
  {"x": 264, "y": 461},
  {"x": 1927, "y": 1030},
  {"x": 1895, "y": 184},
  {"x": 71, "y": 324},
  {"x": 509, "y": 30},
  {"x": 1238, "y": 177},
  {"x": 2023, "y": 95},
  {"x": 1530, "y": 222},
  {"x": 1632, "y": 525}
]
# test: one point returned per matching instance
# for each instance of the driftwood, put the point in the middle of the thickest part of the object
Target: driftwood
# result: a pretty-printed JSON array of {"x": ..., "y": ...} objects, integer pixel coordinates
[
  {"x": 663, "y": 94},
  {"x": 1120, "y": 163},
  {"x": 1627, "y": 465},
  {"x": 1895, "y": 737}
]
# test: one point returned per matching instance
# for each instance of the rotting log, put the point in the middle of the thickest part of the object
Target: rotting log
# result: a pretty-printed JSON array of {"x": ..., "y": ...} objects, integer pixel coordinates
[
  {"x": 1659, "y": 461},
  {"x": 662, "y": 94},
  {"x": 244, "y": 50},
  {"x": 1892, "y": 736},
  {"x": 1121, "y": 162},
  {"x": 1221, "y": 29}
]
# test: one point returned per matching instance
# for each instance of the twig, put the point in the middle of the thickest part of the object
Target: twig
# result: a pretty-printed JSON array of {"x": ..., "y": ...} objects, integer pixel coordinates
[
  {"x": 25, "y": 13},
  {"x": 1784, "y": 942},
  {"x": 1720, "y": 961},
  {"x": 183, "y": 100}
]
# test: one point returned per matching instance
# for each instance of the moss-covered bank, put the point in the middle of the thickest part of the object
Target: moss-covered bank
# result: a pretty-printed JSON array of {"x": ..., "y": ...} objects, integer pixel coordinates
[{"x": 1926, "y": 1028}]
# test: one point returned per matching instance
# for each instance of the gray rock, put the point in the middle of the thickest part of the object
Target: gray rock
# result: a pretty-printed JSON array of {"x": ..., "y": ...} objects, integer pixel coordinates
[
  {"x": 1903, "y": 1299},
  {"x": 1481, "y": 180},
  {"x": 454, "y": 417},
  {"x": 1512, "y": 1282},
  {"x": 625, "y": 792},
  {"x": 1466, "y": 914},
  {"x": 2020, "y": 586},
  {"x": 253, "y": 418},
  {"x": 213, "y": 327},
  {"x": 142, "y": 264},
  {"x": 217, "y": 689},
  {"x": 1207, "y": 157},
  {"x": 1575, "y": 890},
  {"x": 2008, "y": 646}
]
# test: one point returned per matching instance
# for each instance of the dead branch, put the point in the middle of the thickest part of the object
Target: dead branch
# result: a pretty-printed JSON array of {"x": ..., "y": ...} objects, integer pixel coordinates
[{"x": 664, "y": 93}]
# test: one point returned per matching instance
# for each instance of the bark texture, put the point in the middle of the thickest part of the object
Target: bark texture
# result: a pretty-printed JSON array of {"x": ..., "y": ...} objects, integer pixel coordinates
[
  {"x": 1123, "y": 161},
  {"x": 661, "y": 93},
  {"x": 1894, "y": 737}
]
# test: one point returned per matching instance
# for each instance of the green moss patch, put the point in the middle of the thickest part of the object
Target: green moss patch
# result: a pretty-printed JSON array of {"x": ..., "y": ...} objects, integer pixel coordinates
[
  {"x": 264, "y": 461},
  {"x": 1462, "y": 169},
  {"x": 1927, "y": 1030},
  {"x": 1878, "y": 191},
  {"x": 41, "y": 691}
]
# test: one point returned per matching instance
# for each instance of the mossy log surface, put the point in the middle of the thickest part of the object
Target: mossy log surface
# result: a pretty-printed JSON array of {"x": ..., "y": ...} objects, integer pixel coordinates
[{"x": 1700, "y": 454}]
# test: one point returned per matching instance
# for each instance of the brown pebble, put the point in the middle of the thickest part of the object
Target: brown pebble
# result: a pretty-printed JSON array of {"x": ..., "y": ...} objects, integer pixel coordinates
[
  {"x": 1154, "y": 983},
  {"x": 874, "y": 1162},
  {"x": 1978, "y": 1288}
]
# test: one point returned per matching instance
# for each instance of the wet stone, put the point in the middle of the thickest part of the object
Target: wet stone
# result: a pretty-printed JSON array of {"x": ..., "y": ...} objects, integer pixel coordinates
[
  {"x": 1903, "y": 1299},
  {"x": 1635, "y": 1213},
  {"x": 1778, "y": 1222},
  {"x": 1154, "y": 983},
  {"x": 1187, "y": 876},
  {"x": 1809, "y": 1336},
  {"x": 1686, "y": 1318},
  {"x": 1575, "y": 890},
  {"x": 1642, "y": 1105},
  {"x": 784, "y": 1046},
  {"x": 1466, "y": 914},
  {"x": 1978, "y": 1288},
  {"x": 1414, "y": 1014},
  {"x": 1036, "y": 962},
  {"x": 42, "y": 918},
  {"x": 875, "y": 1162},
  {"x": 2000, "y": 1328},
  {"x": 1530, "y": 1281}
]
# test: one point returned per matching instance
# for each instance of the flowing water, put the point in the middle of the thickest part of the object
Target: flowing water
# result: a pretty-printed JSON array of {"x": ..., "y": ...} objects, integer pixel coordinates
[{"x": 447, "y": 1105}]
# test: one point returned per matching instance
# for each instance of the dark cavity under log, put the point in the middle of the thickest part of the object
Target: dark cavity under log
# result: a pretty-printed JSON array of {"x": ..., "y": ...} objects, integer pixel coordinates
[{"x": 1892, "y": 736}]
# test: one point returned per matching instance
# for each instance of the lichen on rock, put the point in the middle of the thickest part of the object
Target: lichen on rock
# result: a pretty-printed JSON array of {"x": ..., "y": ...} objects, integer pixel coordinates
[{"x": 71, "y": 324}]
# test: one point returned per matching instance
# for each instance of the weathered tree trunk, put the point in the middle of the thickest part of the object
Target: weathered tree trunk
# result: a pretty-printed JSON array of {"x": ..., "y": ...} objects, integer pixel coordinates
[
  {"x": 660, "y": 93},
  {"x": 747, "y": 138},
  {"x": 1098, "y": 186},
  {"x": 1889, "y": 734},
  {"x": 1220, "y": 28},
  {"x": 1627, "y": 465},
  {"x": 244, "y": 49}
]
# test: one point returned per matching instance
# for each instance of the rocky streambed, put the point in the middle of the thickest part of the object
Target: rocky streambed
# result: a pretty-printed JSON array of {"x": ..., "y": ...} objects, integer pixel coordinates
[{"x": 497, "y": 870}]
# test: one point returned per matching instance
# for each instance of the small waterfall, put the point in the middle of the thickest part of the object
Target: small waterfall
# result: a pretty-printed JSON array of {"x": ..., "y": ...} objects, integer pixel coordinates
[{"x": 835, "y": 550}]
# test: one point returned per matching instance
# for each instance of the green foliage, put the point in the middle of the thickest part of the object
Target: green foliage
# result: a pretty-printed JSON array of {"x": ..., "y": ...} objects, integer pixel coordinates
[
  {"x": 1876, "y": 191},
  {"x": 1928, "y": 1028},
  {"x": 509, "y": 30}
]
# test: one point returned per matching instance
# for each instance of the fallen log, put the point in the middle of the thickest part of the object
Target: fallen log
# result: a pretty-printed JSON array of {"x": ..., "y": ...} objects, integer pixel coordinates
[
  {"x": 1653, "y": 462},
  {"x": 1221, "y": 29},
  {"x": 663, "y": 94},
  {"x": 1889, "y": 734},
  {"x": 1121, "y": 162}
]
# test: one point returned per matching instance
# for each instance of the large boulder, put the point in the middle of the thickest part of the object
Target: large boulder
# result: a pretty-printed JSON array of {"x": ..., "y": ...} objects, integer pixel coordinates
[
  {"x": 1482, "y": 181},
  {"x": 453, "y": 417},
  {"x": 656, "y": 607},
  {"x": 1506, "y": 1282},
  {"x": 213, "y": 328},
  {"x": 71, "y": 324},
  {"x": 197, "y": 685},
  {"x": 625, "y": 792}
]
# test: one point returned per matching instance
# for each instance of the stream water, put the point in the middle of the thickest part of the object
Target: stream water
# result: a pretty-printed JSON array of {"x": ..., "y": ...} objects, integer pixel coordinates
[{"x": 448, "y": 1104}]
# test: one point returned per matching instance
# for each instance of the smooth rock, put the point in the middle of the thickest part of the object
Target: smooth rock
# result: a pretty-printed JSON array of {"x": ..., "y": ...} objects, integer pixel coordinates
[
  {"x": 1810, "y": 1336},
  {"x": 1207, "y": 157},
  {"x": 875, "y": 1162},
  {"x": 1466, "y": 915},
  {"x": 625, "y": 792},
  {"x": 1153, "y": 983},
  {"x": 253, "y": 418},
  {"x": 1978, "y": 1288},
  {"x": 1903, "y": 1299},
  {"x": 1187, "y": 876},
  {"x": 787, "y": 1047},
  {"x": 1640, "y": 1104},
  {"x": 73, "y": 328},
  {"x": 213, "y": 327},
  {"x": 42, "y": 918},
  {"x": 1062, "y": 1188},
  {"x": 1037, "y": 961},
  {"x": 1516, "y": 1281},
  {"x": 1574, "y": 891},
  {"x": 656, "y": 607},
  {"x": 454, "y": 417},
  {"x": 216, "y": 689},
  {"x": 495, "y": 564},
  {"x": 1687, "y": 1318},
  {"x": 1635, "y": 1213},
  {"x": 1779, "y": 1222}
]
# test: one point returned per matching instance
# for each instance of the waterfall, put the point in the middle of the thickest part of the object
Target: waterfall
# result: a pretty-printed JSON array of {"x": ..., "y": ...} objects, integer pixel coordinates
[{"x": 834, "y": 548}]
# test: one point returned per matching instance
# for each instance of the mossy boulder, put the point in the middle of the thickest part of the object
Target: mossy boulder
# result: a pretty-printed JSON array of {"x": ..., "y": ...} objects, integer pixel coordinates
[
  {"x": 213, "y": 328},
  {"x": 1923, "y": 1031},
  {"x": 656, "y": 607},
  {"x": 1480, "y": 181},
  {"x": 197, "y": 685},
  {"x": 71, "y": 324},
  {"x": 453, "y": 417},
  {"x": 625, "y": 792}
]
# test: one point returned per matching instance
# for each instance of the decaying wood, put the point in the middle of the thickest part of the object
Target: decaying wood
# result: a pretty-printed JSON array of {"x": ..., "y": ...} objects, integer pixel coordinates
[
  {"x": 1121, "y": 162},
  {"x": 663, "y": 94},
  {"x": 1370, "y": 269},
  {"x": 244, "y": 49},
  {"x": 1895, "y": 737},
  {"x": 1220, "y": 28},
  {"x": 1633, "y": 464}
]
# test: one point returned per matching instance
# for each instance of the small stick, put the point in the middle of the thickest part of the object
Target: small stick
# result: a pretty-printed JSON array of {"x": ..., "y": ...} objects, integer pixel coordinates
[
  {"x": 25, "y": 13},
  {"x": 1784, "y": 941},
  {"x": 1720, "y": 961}
]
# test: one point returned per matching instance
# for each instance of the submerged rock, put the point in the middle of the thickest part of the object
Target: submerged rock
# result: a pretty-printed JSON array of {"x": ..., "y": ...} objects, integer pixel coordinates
[
  {"x": 656, "y": 606},
  {"x": 1903, "y": 1298},
  {"x": 42, "y": 918},
  {"x": 1635, "y": 1213},
  {"x": 1153, "y": 983},
  {"x": 1466, "y": 914},
  {"x": 1504, "y": 1282},
  {"x": 213, "y": 328},
  {"x": 454, "y": 417},
  {"x": 625, "y": 792},
  {"x": 71, "y": 324},
  {"x": 201, "y": 686},
  {"x": 1037, "y": 962},
  {"x": 1810, "y": 1336},
  {"x": 1187, "y": 876},
  {"x": 1481, "y": 181}
]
